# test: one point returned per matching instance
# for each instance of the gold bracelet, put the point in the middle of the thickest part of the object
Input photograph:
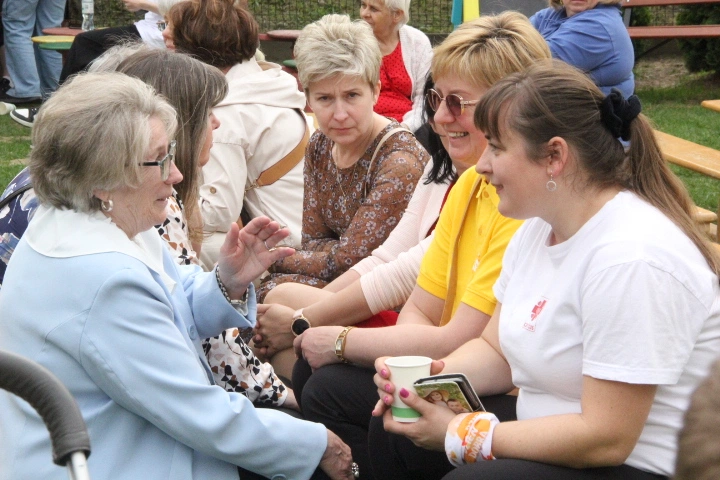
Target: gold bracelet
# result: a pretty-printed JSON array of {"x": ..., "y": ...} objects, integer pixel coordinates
[{"x": 340, "y": 344}]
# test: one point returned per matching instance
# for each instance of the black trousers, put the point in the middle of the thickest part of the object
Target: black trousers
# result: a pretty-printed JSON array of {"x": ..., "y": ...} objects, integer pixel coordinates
[
  {"x": 88, "y": 46},
  {"x": 342, "y": 397}
]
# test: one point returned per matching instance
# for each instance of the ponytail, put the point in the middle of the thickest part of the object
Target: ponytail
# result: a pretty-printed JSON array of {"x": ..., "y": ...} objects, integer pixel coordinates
[{"x": 652, "y": 179}]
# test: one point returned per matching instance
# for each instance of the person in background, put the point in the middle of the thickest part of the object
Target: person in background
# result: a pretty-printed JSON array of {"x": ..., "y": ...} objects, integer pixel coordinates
[
  {"x": 87, "y": 46},
  {"x": 367, "y": 294},
  {"x": 119, "y": 323},
  {"x": 406, "y": 60},
  {"x": 608, "y": 313},
  {"x": 33, "y": 72},
  {"x": 452, "y": 299},
  {"x": 256, "y": 162},
  {"x": 590, "y": 35}
]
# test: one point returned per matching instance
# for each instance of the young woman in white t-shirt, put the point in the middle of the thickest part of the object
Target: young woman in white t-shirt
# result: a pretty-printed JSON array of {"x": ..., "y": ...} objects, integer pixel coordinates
[{"x": 608, "y": 311}]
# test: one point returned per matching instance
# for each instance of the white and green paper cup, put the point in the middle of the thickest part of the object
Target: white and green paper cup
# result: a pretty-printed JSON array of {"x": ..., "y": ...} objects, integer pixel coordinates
[{"x": 404, "y": 371}]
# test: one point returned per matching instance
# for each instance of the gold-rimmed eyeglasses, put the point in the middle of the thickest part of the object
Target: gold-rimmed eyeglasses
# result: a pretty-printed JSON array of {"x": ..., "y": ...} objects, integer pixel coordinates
[{"x": 454, "y": 102}]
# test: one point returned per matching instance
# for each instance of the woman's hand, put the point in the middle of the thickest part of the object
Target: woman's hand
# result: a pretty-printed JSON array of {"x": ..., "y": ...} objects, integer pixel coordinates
[
  {"x": 273, "y": 329},
  {"x": 317, "y": 346},
  {"x": 386, "y": 389},
  {"x": 337, "y": 459},
  {"x": 429, "y": 431},
  {"x": 247, "y": 253}
]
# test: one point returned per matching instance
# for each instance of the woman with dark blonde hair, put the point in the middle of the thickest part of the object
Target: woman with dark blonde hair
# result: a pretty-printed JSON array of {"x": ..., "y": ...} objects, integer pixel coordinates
[
  {"x": 194, "y": 90},
  {"x": 608, "y": 313},
  {"x": 256, "y": 163}
]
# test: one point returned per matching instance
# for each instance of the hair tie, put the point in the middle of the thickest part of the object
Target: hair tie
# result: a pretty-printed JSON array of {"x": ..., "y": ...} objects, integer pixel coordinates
[{"x": 616, "y": 113}]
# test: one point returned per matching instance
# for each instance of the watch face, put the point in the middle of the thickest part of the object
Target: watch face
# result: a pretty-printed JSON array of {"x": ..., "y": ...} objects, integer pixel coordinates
[{"x": 299, "y": 325}]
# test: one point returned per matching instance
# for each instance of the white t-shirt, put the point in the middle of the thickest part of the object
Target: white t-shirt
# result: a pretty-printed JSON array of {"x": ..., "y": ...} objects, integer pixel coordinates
[
  {"x": 628, "y": 298},
  {"x": 149, "y": 31}
]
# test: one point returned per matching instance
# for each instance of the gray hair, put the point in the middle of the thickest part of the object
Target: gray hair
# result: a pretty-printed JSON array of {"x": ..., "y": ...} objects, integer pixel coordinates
[
  {"x": 400, "y": 5},
  {"x": 114, "y": 56},
  {"x": 92, "y": 134},
  {"x": 336, "y": 45}
]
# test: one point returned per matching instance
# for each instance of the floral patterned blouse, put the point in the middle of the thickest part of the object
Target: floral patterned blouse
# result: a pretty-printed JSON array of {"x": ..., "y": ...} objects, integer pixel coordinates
[
  {"x": 175, "y": 232},
  {"x": 349, "y": 212}
]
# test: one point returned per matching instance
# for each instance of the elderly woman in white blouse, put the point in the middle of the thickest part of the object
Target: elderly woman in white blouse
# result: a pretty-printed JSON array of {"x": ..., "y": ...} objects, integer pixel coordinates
[{"x": 406, "y": 55}]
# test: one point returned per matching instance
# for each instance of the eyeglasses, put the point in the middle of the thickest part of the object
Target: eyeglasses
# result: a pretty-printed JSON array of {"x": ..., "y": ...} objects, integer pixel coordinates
[
  {"x": 165, "y": 163},
  {"x": 161, "y": 26},
  {"x": 455, "y": 103}
]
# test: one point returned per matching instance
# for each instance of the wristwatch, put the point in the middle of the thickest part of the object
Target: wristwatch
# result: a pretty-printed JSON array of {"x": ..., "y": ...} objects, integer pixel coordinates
[
  {"x": 340, "y": 344},
  {"x": 300, "y": 323}
]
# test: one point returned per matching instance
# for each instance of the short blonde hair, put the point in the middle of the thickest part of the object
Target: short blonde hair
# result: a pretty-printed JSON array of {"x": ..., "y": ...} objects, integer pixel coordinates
[
  {"x": 92, "y": 134},
  {"x": 336, "y": 45},
  {"x": 487, "y": 49}
]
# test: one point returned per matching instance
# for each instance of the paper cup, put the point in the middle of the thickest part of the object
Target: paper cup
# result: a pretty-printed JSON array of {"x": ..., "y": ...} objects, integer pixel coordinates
[
  {"x": 403, "y": 373},
  {"x": 6, "y": 108}
]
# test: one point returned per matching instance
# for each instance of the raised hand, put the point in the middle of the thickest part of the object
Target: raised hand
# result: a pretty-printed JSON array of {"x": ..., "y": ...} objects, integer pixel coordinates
[{"x": 247, "y": 253}]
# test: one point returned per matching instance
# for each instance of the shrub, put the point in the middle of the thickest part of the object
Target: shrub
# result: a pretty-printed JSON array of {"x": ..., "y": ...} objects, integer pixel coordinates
[{"x": 701, "y": 54}]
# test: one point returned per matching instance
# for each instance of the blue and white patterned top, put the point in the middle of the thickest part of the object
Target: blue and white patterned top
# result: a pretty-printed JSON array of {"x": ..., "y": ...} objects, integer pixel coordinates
[{"x": 14, "y": 217}]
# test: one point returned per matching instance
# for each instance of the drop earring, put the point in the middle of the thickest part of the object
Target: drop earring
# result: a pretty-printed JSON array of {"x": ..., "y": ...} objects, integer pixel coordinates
[{"x": 551, "y": 185}]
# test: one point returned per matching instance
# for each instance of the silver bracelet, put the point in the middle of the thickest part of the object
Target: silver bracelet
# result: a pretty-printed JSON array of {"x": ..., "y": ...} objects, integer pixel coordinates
[{"x": 234, "y": 303}]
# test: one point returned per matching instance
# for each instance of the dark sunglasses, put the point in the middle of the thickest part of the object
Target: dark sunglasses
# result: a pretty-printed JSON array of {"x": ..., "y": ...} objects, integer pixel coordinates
[
  {"x": 165, "y": 163},
  {"x": 455, "y": 103}
]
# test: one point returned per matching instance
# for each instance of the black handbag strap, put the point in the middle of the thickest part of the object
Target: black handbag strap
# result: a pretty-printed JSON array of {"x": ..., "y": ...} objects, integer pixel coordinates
[{"x": 14, "y": 194}]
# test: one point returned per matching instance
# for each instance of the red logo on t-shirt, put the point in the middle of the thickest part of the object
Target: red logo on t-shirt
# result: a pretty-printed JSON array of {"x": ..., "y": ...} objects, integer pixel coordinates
[{"x": 530, "y": 325}]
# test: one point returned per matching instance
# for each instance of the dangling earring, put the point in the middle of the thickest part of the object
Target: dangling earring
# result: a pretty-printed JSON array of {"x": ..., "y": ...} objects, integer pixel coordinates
[
  {"x": 106, "y": 205},
  {"x": 551, "y": 185}
]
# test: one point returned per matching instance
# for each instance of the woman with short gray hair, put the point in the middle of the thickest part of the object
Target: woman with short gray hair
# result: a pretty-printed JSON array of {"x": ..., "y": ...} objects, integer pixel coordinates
[
  {"x": 360, "y": 168},
  {"x": 406, "y": 60},
  {"x": 119, "y": 322}
]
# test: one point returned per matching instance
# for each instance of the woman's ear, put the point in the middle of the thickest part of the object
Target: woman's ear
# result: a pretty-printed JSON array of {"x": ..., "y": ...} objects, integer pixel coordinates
[
  {"x": 558, "y": 154},
  {"x": 102, "y": 195},
  {"x": 376, "y": 92}
]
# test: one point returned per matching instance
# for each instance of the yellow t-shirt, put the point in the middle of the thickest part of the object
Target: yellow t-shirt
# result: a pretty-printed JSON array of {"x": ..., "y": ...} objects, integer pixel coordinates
[{"x": 484, "y": 235}]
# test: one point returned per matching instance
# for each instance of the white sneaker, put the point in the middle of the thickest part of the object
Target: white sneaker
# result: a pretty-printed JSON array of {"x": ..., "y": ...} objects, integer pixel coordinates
[{"x": 24, "y": 116}]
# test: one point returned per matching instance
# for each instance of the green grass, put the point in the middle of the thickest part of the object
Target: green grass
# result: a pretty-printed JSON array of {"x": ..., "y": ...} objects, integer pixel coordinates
[
  {"x": 14, "y": 149},
  {"x": 676, "y": 110}
]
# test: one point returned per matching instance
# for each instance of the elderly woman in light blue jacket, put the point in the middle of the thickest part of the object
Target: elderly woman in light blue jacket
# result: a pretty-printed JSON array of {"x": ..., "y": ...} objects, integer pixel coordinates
[{"x": 92, "y": 294}]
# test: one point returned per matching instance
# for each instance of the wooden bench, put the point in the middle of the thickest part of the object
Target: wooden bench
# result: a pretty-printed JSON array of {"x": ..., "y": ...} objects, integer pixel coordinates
[
  {"x": 700, "y": 159},
  {"x": 711, "y": 105},
  {"x": 667, "y": 32}
]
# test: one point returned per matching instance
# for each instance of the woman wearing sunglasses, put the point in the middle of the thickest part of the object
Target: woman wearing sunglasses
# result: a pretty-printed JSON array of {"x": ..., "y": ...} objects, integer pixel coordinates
[{"x": 453, "y": 299}]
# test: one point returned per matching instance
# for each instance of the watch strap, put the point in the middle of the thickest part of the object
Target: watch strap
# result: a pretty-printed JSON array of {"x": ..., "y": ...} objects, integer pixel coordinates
[{"x": 340, "y": 344}]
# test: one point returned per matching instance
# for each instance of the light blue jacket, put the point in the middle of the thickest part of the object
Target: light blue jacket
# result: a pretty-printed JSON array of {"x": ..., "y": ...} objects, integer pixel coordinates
[
  {"x": 595, "y": 41},
  {"x": 129, "y": 350}
]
